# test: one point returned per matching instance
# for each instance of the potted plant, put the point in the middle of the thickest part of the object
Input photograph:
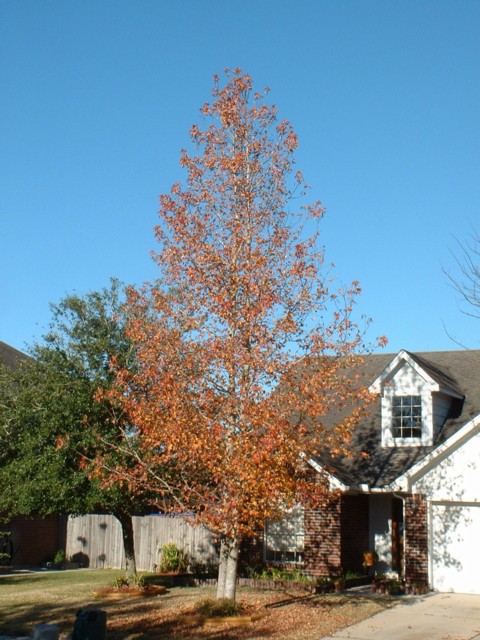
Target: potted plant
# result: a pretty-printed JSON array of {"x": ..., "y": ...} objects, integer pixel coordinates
[
  {"x": 324, "y": 584},
  {"x": 379, "y": 584},
  {"x": 370, "y": 558},
  {"x": 394, "y": 587},
  {"x": 418, "y": 588},
  {"x": 339, "y": 583}
]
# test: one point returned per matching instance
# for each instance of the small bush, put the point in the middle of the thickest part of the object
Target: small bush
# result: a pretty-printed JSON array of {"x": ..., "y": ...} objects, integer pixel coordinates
[
  {"x": 120, "y": 582},
  {"x": 208, "y": 568},
  {"x": 173, "y": 559},
  {"x": 275, "y": 573},
  {"x": 5, "y": 546},
  {"x": 135, "y": 581},
  {"x": 395, "y": 587},
  {"x": 223, "y": 607},
  {"x": 60, "y": 557},
  {"x": 324, "y": 584},
  {"x": 351, "y": 575},
  {"x": 380, "y": 577}
]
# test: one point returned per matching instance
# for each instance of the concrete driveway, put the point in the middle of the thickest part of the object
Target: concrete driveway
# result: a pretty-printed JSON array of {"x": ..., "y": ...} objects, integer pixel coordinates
[{"x": 436, "y": 616}]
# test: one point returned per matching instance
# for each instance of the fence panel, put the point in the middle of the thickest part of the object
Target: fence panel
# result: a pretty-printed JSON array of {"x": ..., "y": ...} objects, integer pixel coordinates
[{"x": 96, "y": 540}]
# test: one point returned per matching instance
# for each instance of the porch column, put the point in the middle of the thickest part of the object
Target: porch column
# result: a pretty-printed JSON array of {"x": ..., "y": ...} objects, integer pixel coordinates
[
  {"x": 416, "y": 539},
  {"x": 323, "y": 544}
]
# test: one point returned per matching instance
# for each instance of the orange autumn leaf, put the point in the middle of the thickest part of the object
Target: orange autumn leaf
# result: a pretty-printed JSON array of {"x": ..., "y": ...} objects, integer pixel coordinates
[{"x": 243, "y": 347}]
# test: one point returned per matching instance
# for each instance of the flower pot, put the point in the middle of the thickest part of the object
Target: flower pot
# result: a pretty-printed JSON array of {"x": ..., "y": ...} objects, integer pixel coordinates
[{"x": 339, "y": 586}]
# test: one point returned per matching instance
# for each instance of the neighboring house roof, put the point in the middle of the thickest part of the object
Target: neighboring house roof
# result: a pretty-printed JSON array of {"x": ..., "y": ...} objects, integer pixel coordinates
[
  {"x": 377, "y": 466},
  {"x": 10, "y": 356}
]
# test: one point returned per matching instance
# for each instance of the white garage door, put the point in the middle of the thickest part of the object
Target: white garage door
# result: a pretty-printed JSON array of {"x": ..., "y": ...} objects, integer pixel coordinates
[{"x": 455, "y": 543}]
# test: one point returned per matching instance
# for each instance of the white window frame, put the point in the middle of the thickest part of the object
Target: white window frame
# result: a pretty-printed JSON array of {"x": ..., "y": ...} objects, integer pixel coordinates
[
  {"x": 388, "y": 438},
  {"x": 405, "y": 417},
  {"x": 284, "y": 540}
]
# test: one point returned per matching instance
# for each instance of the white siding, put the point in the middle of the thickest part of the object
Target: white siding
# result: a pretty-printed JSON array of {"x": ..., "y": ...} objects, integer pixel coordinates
[
  {"x": 441, "y": 407},
  {"x": 407, "y": 381},
  {"x": 451, "y": 488},
  {"x": 456, "y": 477},
  {"x": 454, "y": 533}
]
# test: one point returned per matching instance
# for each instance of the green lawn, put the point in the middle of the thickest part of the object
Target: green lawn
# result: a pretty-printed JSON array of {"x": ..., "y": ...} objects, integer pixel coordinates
[{"x": 54, "y": 596}]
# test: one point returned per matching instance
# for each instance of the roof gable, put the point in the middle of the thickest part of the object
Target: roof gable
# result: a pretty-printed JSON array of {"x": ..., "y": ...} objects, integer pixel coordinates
[
  {"x": 454, "y": 373},
  {"x": 434, "y": 377},
  {"x": 412, "y": 475}
]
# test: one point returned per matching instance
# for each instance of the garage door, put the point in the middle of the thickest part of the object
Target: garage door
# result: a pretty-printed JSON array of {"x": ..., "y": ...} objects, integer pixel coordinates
[{"x": 455, "y": 541}]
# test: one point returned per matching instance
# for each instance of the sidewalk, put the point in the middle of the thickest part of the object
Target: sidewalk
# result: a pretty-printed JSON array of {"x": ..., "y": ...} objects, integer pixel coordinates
[{"x": 436, "y": 616}]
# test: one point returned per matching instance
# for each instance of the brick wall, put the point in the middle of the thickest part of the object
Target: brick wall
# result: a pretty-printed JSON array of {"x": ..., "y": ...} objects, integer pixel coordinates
[
  {"x": 323, "y": 549},
  {"x": 416, "y": 539},
  {"x": 35, "y": 540}
]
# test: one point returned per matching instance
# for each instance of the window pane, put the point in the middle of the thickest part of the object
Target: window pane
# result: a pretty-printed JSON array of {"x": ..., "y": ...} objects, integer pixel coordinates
[
  {"x": 284, "y": 540},
  {"x": 407, "y": 417}
]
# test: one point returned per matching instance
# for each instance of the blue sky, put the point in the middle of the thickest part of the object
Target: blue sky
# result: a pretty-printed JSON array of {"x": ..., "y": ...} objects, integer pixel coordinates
[{"x": 98, "y": 97}]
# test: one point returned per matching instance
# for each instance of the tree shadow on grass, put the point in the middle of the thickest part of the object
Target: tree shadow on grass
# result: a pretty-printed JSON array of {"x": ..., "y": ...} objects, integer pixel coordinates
[
  {"x": 22, "y": 617},
  {"x": 158, "y": 618},
  {"x": 139, "y": 618},
  {"x": 313, "y": 600},
  {"x": 178, "y": 630}
]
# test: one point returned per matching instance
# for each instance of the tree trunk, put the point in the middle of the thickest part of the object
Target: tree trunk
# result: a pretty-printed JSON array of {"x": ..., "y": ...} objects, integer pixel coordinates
[
  {"x": 227, "y": 569},
  {"x": 222, "y": 569},
  {"x": 126, "y": 523}
]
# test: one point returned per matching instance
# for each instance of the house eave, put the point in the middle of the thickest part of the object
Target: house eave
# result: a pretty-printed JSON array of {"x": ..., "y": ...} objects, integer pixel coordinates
[
  {"x": 337, "y": 485},
  {"x": 450, "y": 392},
  {"x": 334, "y": 482},
  {"x": 406, "y": 481}
]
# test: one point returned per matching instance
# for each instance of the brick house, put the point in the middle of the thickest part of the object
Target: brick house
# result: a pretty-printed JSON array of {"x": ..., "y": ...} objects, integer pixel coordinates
[
  {"x": 34, "y": 539},
  {"x": 410, "y": 489}
]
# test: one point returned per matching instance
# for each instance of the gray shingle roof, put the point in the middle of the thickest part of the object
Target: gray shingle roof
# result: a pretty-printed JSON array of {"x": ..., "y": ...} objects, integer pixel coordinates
[{"x": 378, "y": 466}]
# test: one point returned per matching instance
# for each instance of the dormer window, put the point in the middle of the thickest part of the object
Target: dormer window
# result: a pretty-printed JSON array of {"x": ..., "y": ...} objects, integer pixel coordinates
[
  {"x": 406, "y": 417},
  {"x": 415, "y": 401}
]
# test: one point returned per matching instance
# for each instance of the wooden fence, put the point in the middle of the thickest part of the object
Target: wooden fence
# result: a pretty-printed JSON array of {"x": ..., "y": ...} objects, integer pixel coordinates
[{"x": 96, "y": 540}]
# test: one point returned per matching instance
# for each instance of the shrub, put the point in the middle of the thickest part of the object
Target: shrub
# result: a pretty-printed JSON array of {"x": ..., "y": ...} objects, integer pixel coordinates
[
  {"x": 59, "y": 557},
  {"x": 275, "y": 573},
  {"x": 324, "y": 584},
  {"x": 121, "y": 581},
  {"x": 4, "y": 539},
  {"x": 219, "y": 608},
  {"x": 173, "y": 559},
  {"x": 351, "y": 575},
  {"x": 395, "y": 587},
  {"x": 135, "y": 581},
  {"x": 210, "y": 567}
]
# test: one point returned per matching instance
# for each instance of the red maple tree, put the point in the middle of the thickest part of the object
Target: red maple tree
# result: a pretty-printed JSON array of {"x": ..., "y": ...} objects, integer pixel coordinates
[{"x": 222, "y": 417}]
